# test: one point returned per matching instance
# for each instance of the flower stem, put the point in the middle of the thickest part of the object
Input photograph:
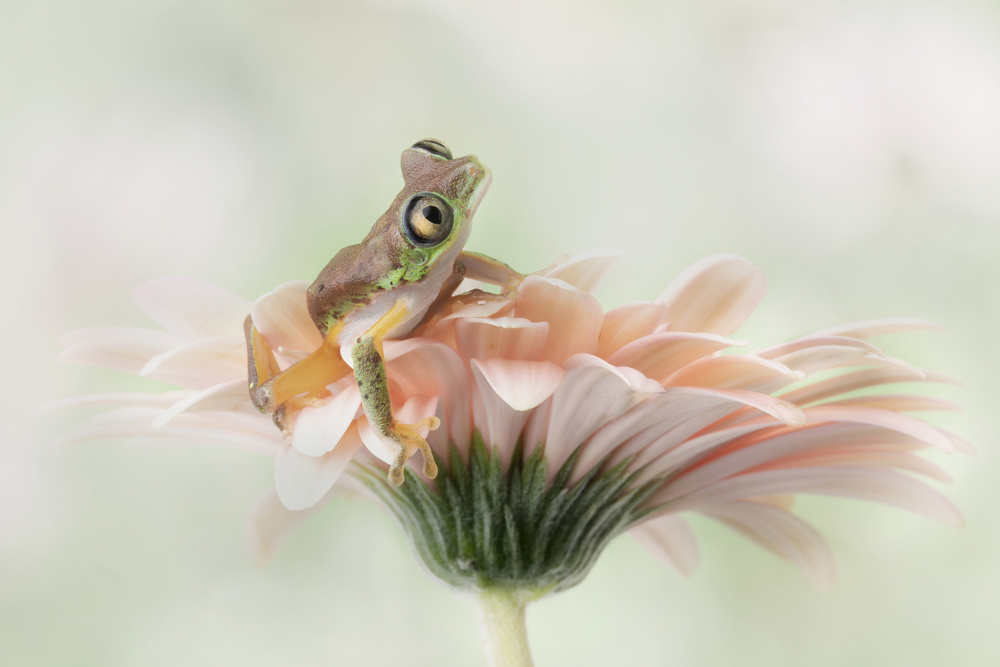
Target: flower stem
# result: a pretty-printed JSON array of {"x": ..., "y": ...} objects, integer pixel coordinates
[{"x": 501, "y": 615}]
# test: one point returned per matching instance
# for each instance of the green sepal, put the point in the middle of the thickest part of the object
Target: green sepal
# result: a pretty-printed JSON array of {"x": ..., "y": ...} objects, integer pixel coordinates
[{"x": 481, "y": 526}]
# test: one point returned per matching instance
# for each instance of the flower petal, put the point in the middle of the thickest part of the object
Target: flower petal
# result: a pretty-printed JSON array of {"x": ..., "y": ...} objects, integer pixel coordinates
[
  {"x": 318, "y": 429},
  {"x": 714, "y": 295},
  {"x": 659, "y": 355},
  {"x": 301, "y": 481},
  {"x": 118, "y": 348},
  {"x": 498, "y": 422},
  {"x": 523, "y": 385},
  {"x": 781, "y": 533},
  {"x": 671, "y": 539},
  {"x": 626, "y": 323},
  {"x": 592, "y": 393},
  {"x": 224, "y": 396},
  {"x": 501, "y": 338},
  {"x": 870, "y": 328},
  {"x": 734, "y": 371},
  {"x": 192, "y": 309},
  {"x": 584, "y": 271},
  {"x": 860, "y": 379},
  {"x": 201, "y": 363},
  {"x": 271, "y": 524},
  {"x": 905, "y": 424},
  {"x": 872, "y": 484},
  {"x": 282, "y": 317},
  {"x": 574, "y": 317}
]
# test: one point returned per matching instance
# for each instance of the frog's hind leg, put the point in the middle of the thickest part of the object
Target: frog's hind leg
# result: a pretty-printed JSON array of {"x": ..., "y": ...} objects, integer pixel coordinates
[
  {"x": 369, "y": 370},
  {"x": 274, "y": 390}
]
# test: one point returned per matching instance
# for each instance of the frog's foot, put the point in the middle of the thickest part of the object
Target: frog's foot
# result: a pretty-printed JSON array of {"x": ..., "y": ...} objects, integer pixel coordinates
[
  {"x": 285, "y": 414},
  {"x": 409, "y": 440}
]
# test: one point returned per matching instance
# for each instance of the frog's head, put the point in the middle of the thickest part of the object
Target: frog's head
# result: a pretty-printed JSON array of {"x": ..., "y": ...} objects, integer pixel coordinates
[{"x": 433, "y": 213}]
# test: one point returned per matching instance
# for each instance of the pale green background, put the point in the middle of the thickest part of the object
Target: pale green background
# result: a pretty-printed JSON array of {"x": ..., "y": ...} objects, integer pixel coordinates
[{"x": 852, "y": 150}]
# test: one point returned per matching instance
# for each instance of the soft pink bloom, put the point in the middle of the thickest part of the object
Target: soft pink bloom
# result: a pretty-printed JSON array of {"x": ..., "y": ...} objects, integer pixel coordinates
[{"x": 731, "y": 434}]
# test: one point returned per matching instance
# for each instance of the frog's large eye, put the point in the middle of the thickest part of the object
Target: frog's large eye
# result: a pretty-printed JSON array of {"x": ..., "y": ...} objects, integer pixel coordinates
[
  {"x": 427, "y": 219},
  {"x": 434, "y": 147}
]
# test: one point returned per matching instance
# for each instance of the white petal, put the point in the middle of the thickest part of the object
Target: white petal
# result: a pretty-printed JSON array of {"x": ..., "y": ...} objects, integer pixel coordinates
[
  {"x": 670, "y": 538},
  {"x": 201, "y": 363},
  {"x": 783, "y": 534},
  {"x": 118, "y": 348},
  {"x": 191, "y": 308},
  {"x": 231, "y": 395},
  {"x": 522, "y": 384},
  {"x": 584, "y": 271},
  {"x": 318, "y": 429},
  {"x": 860, "y": 379},
  {"x": 714, "y": 295},
  {"x": 282, "y": 317},
  {"x": 301, "y": 481}
]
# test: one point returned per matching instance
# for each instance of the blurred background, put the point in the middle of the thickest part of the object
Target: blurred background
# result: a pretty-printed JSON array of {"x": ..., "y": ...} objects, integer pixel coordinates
[{"x": 850, "y": 149}]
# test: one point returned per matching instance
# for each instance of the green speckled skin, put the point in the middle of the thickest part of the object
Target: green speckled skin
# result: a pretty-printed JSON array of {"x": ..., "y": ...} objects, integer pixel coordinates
[{"x": 369, "y": 371}]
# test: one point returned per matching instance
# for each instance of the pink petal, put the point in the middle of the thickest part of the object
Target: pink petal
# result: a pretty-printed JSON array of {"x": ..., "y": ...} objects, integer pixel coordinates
[
  {"x": 584, "y": 271},
  {"x": 860, "y": 379},
  {"x": 817, "y": 341},
  {"x": 627, "y": 323},
  {"x": 201, "y": 363},
  {"x": 671, "y": 539},
  {"x": 282, "y": 317},
  {"x": 118, "y": 348},
  {"x": 872, "y": 484},
  {"x": 419, "y": 367},
  {"x": 822, "y": 357},
  {"x": 714, "y": 295},
  {"x": 318, "y": 429},
  {"x": 870, "y": 328},
  {"x": 574, "y": 317},
  {"x": 500, "y": 423},
  {"x": 501, "y": 338},
  {"x": 523, "y": 385},
  {"x": 192, "y": 309},
  {"x": 301, "y": 481},
  {"x": 897, "y": 402},
  {"x": 661, "y": 354},
  {"x": 896, "y": 422},
  {"x": 271, "y": 524},
  {"x": 781, "y": 533},
  {"x": 734, "y": 371},
  {"x": 591, "y": 394}
]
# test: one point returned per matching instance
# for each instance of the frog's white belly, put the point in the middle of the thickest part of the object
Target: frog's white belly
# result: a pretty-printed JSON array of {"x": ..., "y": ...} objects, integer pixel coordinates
[{"x": 418, "y": 297}]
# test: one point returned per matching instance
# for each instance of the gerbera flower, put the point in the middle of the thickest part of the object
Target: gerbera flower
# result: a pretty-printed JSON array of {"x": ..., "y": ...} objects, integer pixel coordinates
[{"x": 562, "y": 425}]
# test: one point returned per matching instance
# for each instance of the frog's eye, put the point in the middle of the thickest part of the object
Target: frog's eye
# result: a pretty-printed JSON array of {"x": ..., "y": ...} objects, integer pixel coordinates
[
  {"x": 434, "y": 147},
  {"x": 427, "y": 219}
]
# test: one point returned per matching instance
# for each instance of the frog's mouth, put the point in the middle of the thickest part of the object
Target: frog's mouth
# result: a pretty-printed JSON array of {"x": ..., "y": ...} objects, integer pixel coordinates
[{"x": 476, "y": 183}]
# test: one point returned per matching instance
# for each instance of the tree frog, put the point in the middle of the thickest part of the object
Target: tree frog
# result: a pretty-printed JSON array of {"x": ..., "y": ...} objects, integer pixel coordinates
[{"x": 403, "y": 274}]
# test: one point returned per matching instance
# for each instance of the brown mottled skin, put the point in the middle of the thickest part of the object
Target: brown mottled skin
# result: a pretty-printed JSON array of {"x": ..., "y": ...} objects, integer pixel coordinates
[{"x": 380, "y": 262}]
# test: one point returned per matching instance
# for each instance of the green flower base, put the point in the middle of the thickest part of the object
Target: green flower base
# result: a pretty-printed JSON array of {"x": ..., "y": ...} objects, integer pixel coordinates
[{"x": 485, "y": 527}]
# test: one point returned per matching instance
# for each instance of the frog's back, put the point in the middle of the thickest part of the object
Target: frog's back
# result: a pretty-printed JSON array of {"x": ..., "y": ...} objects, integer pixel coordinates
[{"x": 343, "y": 286}]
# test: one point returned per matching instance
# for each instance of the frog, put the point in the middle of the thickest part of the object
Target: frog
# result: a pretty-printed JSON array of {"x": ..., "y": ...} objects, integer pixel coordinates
[{"x": 400, "y": 279}]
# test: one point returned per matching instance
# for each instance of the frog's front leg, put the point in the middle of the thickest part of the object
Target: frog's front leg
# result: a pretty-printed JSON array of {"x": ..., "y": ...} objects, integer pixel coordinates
[
  {"x": 369, "y": 370},
  {"x": 488, "y": 270}
]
